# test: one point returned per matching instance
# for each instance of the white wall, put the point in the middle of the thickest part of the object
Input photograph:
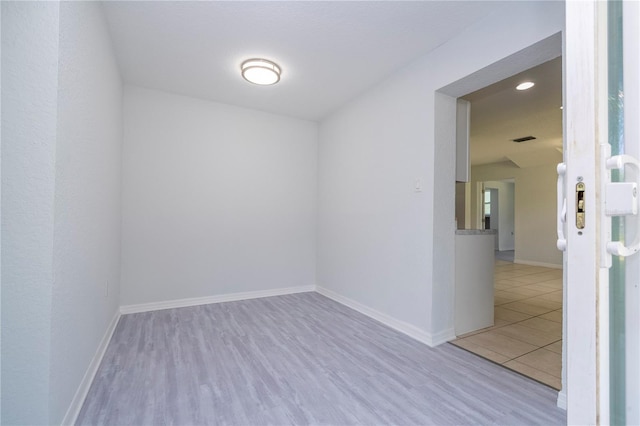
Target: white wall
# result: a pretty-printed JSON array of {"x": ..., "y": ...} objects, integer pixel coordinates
[
  {"x": 494, "y": 219},
  {"x": 380, "y": 243},
  {"x": 463, "y": 200},
  {"x": 217, "y": 199},
  {"x": 372, "y": 233},
  {"x": 29, "y": 100},
  {"x": 62, "y": 138},
  {"x": 506, "y": 213},
  {"x": 87, "y": 199},
  {"x": 535, "y": 208}
]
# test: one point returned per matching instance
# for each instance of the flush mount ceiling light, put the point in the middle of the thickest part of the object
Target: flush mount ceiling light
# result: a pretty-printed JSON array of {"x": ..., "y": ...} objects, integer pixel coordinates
[
  {"x": 260, "y": 71},
  {"x": 526, "y": 85}
]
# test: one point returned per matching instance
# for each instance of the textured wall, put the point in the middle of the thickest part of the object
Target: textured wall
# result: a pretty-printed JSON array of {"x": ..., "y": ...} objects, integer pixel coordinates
[
  {"x": 87, "y": 198},
  {"x": 61, "y": 147},
  {"x": 29, "y": 101}
]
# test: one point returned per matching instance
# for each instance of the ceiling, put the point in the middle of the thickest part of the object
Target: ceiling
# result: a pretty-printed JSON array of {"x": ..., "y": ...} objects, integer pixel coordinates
[
  {"x": 329, "y": 52},
  {"x": 500, "y": 113}
]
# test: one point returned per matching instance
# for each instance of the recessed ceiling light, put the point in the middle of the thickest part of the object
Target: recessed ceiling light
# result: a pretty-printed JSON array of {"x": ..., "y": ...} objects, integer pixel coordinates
[
  {"x": 526, "y": 85},
  {"x": 260, "y": 71}
]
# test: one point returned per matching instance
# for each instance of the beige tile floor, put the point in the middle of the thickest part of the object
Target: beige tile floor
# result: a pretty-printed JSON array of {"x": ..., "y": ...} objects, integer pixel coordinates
[{"x": 527, "y": 334}]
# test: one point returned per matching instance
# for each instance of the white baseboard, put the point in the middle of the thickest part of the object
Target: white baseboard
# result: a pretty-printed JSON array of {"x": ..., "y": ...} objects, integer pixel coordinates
[
  {"x": 532, "y": 263},
  {"x": 562, "y": 399},
  {"x": 195, "y": 301},
  {"x": 78, "y": 399},
  {"x": 401, "y": 326},
  {"x": 443, "y": 336}
]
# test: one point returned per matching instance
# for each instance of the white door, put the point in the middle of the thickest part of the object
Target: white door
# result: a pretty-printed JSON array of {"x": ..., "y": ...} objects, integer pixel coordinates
[{"x": 602, "y": 295}]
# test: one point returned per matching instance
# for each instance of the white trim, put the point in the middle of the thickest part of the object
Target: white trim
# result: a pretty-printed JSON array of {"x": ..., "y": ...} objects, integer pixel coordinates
[
  {"x": 443, "y": 336},
  {"x": 604, "y": 411},
  {"x": 561, "y": 402},
  {"x": 583, "y": 63},
  {"x": 401, "y": 326},
  {"x": 532, "y": 263},
  {"x": 195, "y": 301},
  {"x": 85, "y": 384}
]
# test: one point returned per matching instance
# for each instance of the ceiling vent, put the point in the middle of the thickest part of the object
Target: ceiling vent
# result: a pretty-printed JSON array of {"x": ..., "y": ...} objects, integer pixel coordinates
[{"x": 524, "y": 139}]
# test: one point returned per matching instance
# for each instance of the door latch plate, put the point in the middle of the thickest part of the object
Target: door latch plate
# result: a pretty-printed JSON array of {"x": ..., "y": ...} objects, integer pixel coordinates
[{"x": 580, "y": 205}]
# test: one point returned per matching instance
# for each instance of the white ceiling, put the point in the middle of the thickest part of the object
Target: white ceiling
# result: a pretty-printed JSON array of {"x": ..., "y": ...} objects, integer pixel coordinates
[
  {"x": 500, "y": 113},
  {"x": 329, "y": 51}
]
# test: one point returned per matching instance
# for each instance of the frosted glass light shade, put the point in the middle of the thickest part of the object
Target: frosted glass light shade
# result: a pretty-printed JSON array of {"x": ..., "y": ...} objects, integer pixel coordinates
[
  {"x": 260, "y": 71},
  {"x": 526, "y": 85}
]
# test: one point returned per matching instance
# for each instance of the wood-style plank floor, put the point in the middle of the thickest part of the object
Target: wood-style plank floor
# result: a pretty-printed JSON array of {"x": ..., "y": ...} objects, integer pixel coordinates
[{"x": 298, "y": 359}]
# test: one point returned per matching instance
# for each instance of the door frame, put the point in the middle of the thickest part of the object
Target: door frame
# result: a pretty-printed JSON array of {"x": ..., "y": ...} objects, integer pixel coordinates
[
  {"x": 445, "y": 106},
  {"x": 583, "y": 74},
  {"x": 586, "y": 118}
]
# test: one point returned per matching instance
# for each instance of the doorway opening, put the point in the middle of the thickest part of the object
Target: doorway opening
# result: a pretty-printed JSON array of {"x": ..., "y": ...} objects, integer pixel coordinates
[
  {"x": 499, "y": 214},
  {"x": 512, "y": 187}
]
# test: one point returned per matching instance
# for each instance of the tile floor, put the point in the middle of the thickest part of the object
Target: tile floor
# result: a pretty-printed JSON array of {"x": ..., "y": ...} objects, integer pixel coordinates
[{"x": 527, "y": 334}]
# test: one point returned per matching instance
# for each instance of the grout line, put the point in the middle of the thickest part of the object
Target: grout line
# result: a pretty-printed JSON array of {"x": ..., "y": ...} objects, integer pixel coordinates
[
  {"x": 515, "y": 358},
  {"x": 544, "y": 347},
  {"x": 537, "y": 349},
  {"x": 516, "y": 275},
  {"x": 527, "y": 313},
  {"x": 507, "y": 367},
  {"x": 550, "y": 290}
]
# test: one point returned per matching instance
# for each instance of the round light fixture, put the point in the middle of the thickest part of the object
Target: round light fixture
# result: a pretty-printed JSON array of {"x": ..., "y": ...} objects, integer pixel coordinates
[
  {"x": 526, "y": 85},
  {"x": 260, "y": 71}
]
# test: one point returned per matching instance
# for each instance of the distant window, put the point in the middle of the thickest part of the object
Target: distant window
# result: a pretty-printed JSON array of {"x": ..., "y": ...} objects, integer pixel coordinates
[{"x": 487, "y": 203}]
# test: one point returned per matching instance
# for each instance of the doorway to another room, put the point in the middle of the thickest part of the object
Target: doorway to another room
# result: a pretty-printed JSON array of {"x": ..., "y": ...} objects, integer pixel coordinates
[
  {"x": 515, "y": 143},
  {"x": 498, "y": 214}
]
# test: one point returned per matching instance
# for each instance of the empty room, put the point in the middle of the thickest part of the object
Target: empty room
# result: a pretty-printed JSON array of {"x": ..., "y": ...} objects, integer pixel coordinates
[{"x": 244, "y": 212}]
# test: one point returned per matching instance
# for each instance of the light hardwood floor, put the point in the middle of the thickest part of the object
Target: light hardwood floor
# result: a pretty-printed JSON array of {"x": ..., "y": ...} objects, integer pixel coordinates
[
  {"x": 298, "y": 359},
  {"x": 527, "y": 334}
]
